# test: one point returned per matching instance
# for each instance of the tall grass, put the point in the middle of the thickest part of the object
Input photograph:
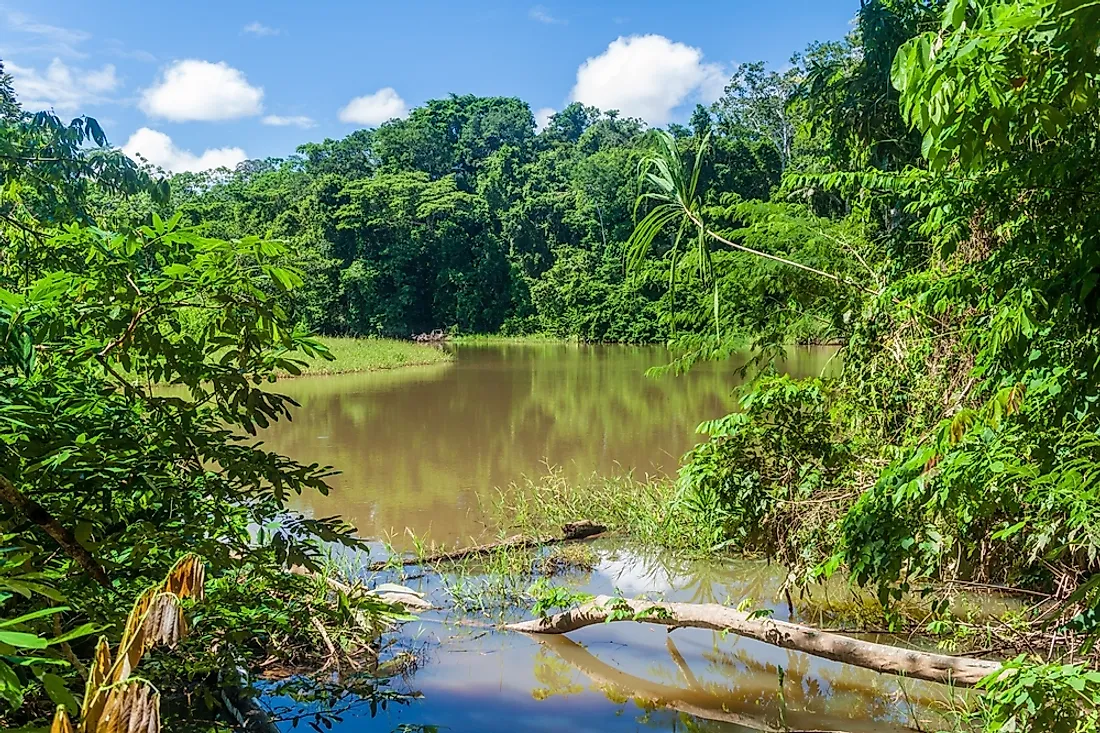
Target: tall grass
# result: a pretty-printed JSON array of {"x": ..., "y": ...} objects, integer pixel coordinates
[
  {"x": 643, "y": 508},
  {"x": 373, "y": 354}
]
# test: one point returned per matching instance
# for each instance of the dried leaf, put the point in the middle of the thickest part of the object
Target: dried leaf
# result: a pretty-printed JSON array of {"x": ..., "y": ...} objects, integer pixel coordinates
[
  {"x": 187, "y": 578},
  {"x": 137, "y": 616},
  {"x": 133, "y": 707},
  {"x": 113, "y": 702},
  {"x": 94, "y": 694},
  {"x": 163, "y": 623}
]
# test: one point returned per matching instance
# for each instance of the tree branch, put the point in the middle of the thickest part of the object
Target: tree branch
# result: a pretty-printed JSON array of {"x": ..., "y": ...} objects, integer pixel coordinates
[{"x": 34, "y": 511}]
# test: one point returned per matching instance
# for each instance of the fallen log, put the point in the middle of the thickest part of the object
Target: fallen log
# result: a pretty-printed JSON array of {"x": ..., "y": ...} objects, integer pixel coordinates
[
  {"x": 959, "y": 671},
  {"x": 571, "y": 532}
]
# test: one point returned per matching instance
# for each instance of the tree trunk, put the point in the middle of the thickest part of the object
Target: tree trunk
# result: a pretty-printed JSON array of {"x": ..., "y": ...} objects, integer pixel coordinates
[
  {"x": 35, "y": 512},
  {"x": 959, "y": 671}
]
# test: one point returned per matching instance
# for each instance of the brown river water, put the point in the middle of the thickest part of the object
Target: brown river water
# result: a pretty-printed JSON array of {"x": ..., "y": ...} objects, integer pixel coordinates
[{"x": 429, "y": 448}]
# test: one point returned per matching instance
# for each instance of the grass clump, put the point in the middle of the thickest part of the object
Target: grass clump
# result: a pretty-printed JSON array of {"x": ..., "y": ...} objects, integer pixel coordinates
[
  {"x": 373, "y": 354},
  {"x": 489, "y": 585},
  {"x": 644, "y": 508},
  {"x": 561, "y": 559}
]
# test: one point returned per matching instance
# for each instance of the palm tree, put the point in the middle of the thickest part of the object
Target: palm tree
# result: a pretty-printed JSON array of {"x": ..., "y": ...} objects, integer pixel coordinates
[{"x": 667, "y": 183}]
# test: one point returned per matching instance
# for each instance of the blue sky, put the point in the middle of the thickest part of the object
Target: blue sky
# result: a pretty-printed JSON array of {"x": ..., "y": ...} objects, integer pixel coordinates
[{"x": 203, "y": 83}]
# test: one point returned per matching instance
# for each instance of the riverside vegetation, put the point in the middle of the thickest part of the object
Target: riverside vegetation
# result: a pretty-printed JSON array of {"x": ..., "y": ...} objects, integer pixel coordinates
[
  {"x": 370, "y": 354},
  {"x": 922, "y": 191}
]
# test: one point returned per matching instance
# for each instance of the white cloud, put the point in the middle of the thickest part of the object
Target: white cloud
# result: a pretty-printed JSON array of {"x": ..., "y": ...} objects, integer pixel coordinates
[
  {"x": 54, "y": 39},
  {"x": 542, "y": 117},
  {"x": 61, "y": 87},
  {"x": 158, "y": 149},
  {"x": 257, "y": 28},
  {"x": 193, "y": 90},
  {"x": 117, "y": 48},
  {"x": 648, "y": 77},
  {"x": 636, "y": 575},
  {"x": 289, "y": 121},
  {"x": 374, "y": 109},
  {"x": 542, "y": 15}
]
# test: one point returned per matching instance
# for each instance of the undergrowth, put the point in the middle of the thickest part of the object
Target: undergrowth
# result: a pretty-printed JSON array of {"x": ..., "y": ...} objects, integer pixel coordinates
[{"x": 644, "y": 508}]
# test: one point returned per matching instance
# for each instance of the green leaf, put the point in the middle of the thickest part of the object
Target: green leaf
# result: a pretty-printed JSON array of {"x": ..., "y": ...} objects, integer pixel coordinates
[
  {"x": 79, "y": 631},
  {"x": 955, "y": 14},
  {"x": 23, "y": 640},
  {"x": 33, "y": 615},
  {"x": 59, "y": 693},
  {"x": 11, "y": 689}
]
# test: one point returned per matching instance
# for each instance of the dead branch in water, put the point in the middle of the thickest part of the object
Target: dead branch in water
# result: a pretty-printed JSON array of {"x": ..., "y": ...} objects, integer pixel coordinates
[
  {"x": 571, "y": 532},
  {"x": 960, "y": 671}
]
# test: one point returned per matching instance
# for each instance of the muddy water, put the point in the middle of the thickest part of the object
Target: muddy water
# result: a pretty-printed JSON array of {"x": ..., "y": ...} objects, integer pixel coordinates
[
  {"x": 635, "y": 677},
  {"x": 427, "y": 448}
]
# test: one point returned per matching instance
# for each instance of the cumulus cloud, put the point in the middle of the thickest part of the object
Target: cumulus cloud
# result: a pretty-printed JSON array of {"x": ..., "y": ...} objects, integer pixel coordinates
[
  {"x": 257, "y": 28},
  {"x": 542, "y": 15},
  {"x": 648, "y": 77},
  {"x": 61, "y": 87},
  {"x": 288, "y": 121},
  {"x": 193, "y": 90},
  {"x": 158, "y": 149},
  {"x": 374, "y": 109},
  {"x": 542, "y": 117}
]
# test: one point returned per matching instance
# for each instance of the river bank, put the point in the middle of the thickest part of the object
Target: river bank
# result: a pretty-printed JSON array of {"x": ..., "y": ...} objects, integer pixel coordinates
[
  {"x": 351, "y": 355},
  {"x": 458, "y": 454}
]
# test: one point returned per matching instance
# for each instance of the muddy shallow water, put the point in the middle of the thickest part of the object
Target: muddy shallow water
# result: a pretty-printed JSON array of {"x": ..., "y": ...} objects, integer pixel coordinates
[
  {"x": 428, "y": 449},
  {"x": 633, "y": 677}
]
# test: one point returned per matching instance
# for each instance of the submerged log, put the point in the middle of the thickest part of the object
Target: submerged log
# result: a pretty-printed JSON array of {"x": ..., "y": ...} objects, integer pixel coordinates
[
  {"x": 959, "y": 671},
  {"x": 572, "y": 532}
]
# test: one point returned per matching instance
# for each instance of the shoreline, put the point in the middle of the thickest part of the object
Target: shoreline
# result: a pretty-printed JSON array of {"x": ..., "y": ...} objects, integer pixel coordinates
[{"x": 359, "y": 355}]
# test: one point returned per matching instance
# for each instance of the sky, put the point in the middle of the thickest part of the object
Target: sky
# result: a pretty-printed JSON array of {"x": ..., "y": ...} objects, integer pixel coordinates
[{"x": 200, "y": 84}]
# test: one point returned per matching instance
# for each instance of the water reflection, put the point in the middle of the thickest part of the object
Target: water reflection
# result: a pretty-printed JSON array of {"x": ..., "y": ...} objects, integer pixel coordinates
[
  {"x": 425, "y": 447},
  {"x": 630, "y": 677}
]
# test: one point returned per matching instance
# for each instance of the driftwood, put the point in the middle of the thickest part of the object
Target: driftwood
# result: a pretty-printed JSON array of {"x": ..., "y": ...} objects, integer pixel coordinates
[
  {"x": 704, "y": 701},
  {"x": 407, "y": 598},
  {"x": 959, "y": 671},
  {"x": 435, "y": 336},
  {"x": 571, "y": 532}
]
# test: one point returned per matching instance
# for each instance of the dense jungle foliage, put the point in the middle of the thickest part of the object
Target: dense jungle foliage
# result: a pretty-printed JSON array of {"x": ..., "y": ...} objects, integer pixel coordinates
[
  {"x": 923, "y": 191},
  {"x": 463, "y": 218},
  {"x": 106, "y": 482},
  {"x": 957, "y": 178}
]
